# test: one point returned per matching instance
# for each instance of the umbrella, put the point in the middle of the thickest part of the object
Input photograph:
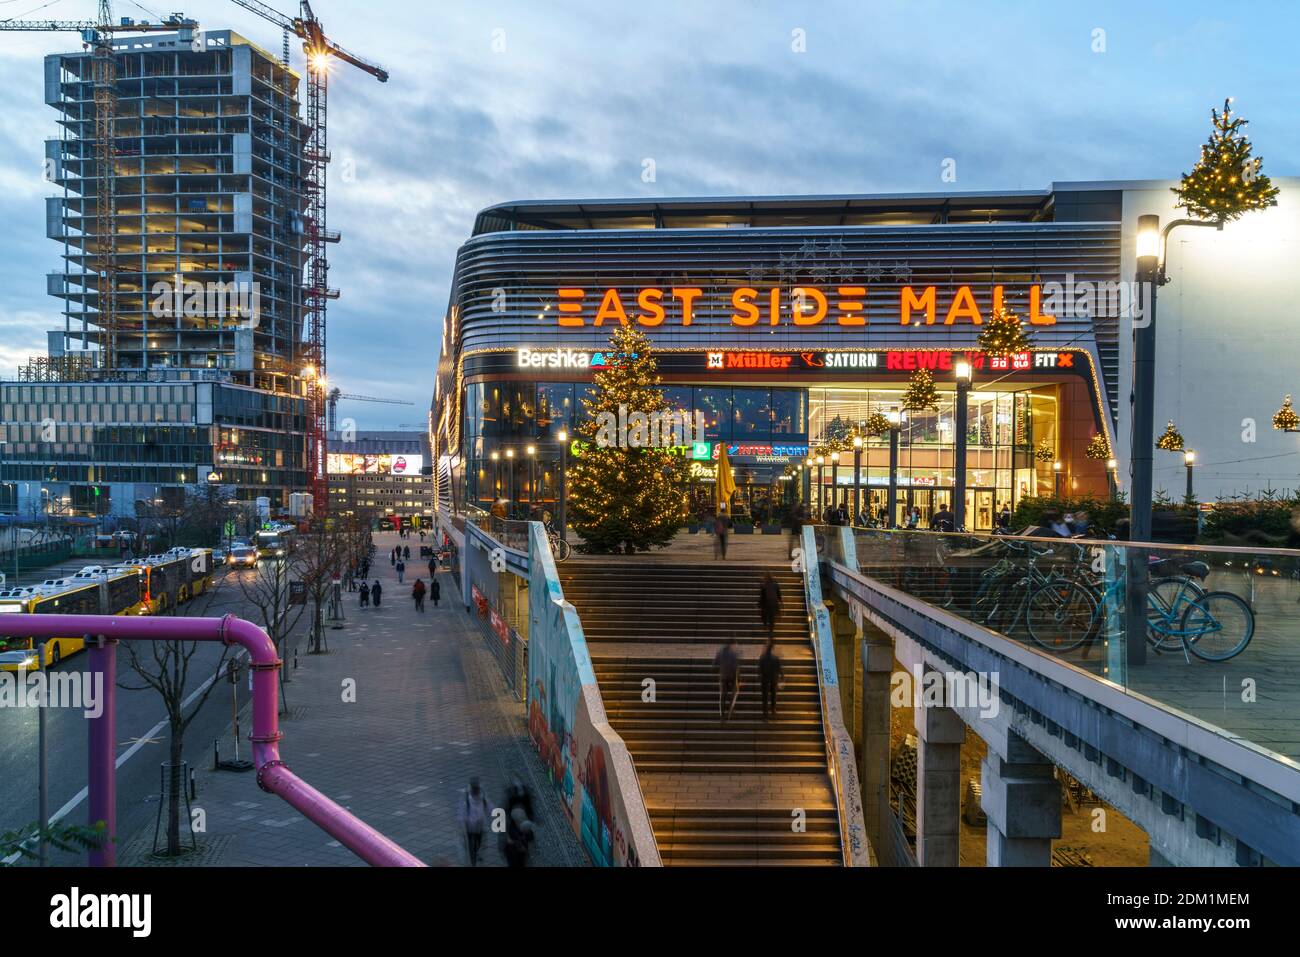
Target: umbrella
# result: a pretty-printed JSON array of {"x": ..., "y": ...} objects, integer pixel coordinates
[{"x": 725, "y": 485}]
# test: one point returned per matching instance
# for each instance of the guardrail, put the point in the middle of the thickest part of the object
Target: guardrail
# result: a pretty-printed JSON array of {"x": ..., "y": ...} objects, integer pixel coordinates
[
  {"x": 840, "y": 753},
  {"x": 567, "y": 721}
]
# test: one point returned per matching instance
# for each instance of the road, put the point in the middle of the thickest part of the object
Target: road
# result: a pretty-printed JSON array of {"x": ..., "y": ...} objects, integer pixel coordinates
[{"x": 139, "y": 739}]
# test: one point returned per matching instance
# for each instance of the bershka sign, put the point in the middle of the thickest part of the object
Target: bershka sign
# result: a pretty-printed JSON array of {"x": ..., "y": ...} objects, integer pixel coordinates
[
  {"x": 889, "y": 360},
  {"x": 559, "y": 358},
  {"x": 917, "y": 306},
  {"x": 102, "y": 911}
]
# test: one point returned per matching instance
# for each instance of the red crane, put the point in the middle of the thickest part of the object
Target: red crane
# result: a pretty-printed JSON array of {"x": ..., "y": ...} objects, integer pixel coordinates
[{"x": 320, "y": 50}]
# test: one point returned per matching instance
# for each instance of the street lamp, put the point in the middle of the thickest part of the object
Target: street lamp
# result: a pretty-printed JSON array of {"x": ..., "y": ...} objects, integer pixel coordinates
[
  {"x": 563, "y": 438},
  {"x": 807, "y": 483},
  {"x": 895, "y": 419},
  {"x": 1111, "y": 478},
  {"x": 1189, "y": 460},
  {"x": 1057, "y": 473},
  {"x": 835, "y": 479},
  {"x": 821, "y": 488},
  {"x": 510, "y": 477},
  {"x": 857, "y": 479},
  {"x": 496, "y": 475},
  {"x": 532, "y": 477},
  {"x": 964, "y": 375},
  {"x": 1152, "y": 243}
]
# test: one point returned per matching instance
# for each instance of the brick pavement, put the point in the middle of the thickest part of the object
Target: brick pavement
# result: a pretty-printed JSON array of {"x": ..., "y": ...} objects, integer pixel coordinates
[{"x": 430, "y": 711}]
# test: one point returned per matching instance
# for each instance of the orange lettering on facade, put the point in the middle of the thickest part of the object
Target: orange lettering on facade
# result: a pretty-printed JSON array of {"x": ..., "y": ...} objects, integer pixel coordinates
[
  {"x": 801, "y": 297},
  {"x": 1036, "y": 317},
  {"x": 963, "y": 307},
  {"x": 569, "y": 310},
  {"x": 652, "y": 311},
  {"x": 746, "y": 313},
  {"x": 851, "y": 312},
  {"x": 686, "y": 296},
  {"x": 910, "y": 301}
]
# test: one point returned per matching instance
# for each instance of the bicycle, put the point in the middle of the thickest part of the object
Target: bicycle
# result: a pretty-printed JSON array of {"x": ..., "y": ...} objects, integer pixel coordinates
[{"x": 560, "y": 548}]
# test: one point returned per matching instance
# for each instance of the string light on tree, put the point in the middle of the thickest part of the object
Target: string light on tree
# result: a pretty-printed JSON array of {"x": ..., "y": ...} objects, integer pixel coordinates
[
  {"x": 1098, "y": 447},
  {"x": 1045, "y": 452},
  {"x": 1285, "y": 419},
  {"x": 1004, "y": 334},
  {"x": 921, "y": 394},
  {"x": 877, "y": 424},
  {"x": 1172, "y": 440},
  {"x": 1226, "y": 181}
]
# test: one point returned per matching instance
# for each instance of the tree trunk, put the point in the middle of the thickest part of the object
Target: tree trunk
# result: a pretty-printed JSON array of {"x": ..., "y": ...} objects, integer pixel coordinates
[{"x": 174, "y": 791}]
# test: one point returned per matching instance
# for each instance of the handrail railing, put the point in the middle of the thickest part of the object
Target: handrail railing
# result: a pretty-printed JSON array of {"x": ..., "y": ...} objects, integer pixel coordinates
[{"x": 840, "y": 753}]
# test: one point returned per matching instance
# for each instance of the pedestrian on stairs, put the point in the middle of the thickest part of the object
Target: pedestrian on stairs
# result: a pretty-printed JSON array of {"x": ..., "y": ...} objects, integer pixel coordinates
[
  {"x": 727, "y": 661},
  {"x": 769, "y": 676},
  {"x": 769, "y": 603}
]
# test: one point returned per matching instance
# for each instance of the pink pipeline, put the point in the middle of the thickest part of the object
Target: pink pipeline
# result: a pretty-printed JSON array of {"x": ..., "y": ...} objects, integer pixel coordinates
[{"x": 102, "y": 634}]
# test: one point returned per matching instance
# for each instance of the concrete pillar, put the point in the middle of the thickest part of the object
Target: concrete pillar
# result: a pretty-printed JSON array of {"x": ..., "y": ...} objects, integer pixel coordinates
[
  {"x": 1023, "y": 803},
  {"x": 877, "y": 666},
  {"x": 1156, "y": 859},
  {"x": 940, "y": 733}
]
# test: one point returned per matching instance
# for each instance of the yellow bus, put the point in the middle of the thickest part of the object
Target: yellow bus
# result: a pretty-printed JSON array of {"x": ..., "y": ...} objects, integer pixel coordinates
[{"x": 92, "y": 591}]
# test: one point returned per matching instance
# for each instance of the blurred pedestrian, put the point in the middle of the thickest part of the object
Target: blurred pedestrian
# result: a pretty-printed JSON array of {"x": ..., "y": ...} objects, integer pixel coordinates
[
  {"x": 474, "y": 812},
  {"x": 769, "y": 677},
  {"x": 719, "y": 535},
  {"x": 401, "y": 570},
  {"x": 435, "y": 591},
  {"x": 406, "y": 553},
  {"x": 365, "y": 594},
  {"x": 417, "y": 592},
  {"x": 433, "y": 566},
  {"x": 392, "y": 556},
  {"x": 727, "y": 661},
  {"x": 376, "y": 593},
  {"x": 518, "y": 838},
  {"x": 796, "y": 528},
  {"x": 769, "y": 602}
]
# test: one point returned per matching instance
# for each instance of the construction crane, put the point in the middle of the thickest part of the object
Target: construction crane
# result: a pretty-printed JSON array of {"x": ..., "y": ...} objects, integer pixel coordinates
[
  {"x": 333, "y": 400},
  {"x": 98, "y": 35},
  {"x": 320, "y": 51}
]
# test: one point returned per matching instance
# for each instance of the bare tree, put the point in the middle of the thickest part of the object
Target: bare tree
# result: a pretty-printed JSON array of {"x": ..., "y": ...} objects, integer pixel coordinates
[
  {"x": 267, "y": 589},
  {"x": 165, "y": 667}
]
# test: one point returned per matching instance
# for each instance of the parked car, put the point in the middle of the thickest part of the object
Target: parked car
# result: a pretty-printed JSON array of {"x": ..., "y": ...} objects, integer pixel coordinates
[
  {"x": 219, "y": 555},
  {"x": 242, "y": 556}
]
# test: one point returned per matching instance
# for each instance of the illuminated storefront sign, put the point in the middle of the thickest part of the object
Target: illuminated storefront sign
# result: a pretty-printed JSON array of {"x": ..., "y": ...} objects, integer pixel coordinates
[
  {"x": 349, "y": 463},
  {"x": 807, "y": 306},
  {"x": 892, "y": 360},
  {"x": 560, "y": 358}
]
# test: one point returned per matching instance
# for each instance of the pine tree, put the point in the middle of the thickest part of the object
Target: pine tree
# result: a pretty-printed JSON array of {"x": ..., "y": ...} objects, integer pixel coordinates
[
  {"x": 623, "y": 498},
  {"x": 921, "y": 394},
  {"x": 1098, "y": 447},
  {"x": 1226, "y": 181},
  {"x": 1003, "y": 334},
  {"x": 1171, "y": 440}
]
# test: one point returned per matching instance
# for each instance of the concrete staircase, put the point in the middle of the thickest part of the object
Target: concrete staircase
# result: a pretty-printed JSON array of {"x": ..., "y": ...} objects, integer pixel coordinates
[{"x": 717, "y": 793}]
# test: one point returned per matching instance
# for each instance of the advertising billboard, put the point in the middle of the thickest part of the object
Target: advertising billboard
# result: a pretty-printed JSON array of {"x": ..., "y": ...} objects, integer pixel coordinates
[{"x": 351, "y": 463}]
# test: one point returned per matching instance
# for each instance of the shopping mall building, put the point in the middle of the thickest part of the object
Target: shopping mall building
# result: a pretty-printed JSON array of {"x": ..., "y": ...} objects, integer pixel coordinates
[{"x": 787, "y": 320}]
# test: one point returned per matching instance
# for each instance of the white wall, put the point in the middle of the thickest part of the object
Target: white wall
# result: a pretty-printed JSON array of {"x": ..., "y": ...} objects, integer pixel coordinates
[{"x": 1227, "y": 344}]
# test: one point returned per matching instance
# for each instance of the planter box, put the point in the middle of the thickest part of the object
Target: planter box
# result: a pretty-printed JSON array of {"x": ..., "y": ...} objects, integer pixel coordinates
[
  {"x": 744, "y": 529},
  {"x": 771, "y": 529},
  {"x": 693, "y": 529}
]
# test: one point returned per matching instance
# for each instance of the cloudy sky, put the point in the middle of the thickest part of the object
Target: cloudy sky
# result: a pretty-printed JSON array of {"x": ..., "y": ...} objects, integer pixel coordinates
[{"x": 497, "y": 101}]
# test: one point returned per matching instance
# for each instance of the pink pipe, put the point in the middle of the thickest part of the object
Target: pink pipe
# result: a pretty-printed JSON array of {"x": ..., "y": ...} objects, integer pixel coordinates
[{"x": 273, "y": 775}]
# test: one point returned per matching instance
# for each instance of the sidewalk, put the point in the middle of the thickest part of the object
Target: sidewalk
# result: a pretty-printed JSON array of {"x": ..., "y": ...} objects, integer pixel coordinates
[{"x": 430, "y": 711}]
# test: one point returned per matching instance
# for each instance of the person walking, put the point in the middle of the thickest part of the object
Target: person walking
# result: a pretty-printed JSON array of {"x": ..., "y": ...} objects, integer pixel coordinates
[
  {"x": 474, "y": 812},
  {"x": 401, "y": 570},
  {"x": 796, "y": 529},
  {"x": 433, "y": 566},
  {"x": 769, "y": 677},
  {"x": 727, "y": 661},
  {"x": 519, "y": 834},
  {"x": 719, "y": 535},
  {"x": 435, "y": 591},
  {"x": 392, "y": 556},
  {"x": 365, "y": 594},
  {"x": 406, "y": 553},
  {"x": 376, "y": 593},
  {"x": 769, "y": 603},
  {"x": 417, "y": 592}
]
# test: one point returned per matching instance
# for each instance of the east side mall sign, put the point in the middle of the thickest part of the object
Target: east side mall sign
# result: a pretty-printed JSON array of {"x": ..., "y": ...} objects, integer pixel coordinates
[{"x": 773, "y": 305}]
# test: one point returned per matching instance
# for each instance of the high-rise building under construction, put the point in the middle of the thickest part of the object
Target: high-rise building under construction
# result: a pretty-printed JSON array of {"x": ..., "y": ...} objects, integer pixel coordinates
[{"x": 185, "y": 367}]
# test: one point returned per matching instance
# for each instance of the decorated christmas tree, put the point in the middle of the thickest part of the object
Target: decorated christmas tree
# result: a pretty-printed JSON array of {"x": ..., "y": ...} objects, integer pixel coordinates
[
  {"x": 625, "y": 492},
  {"x": 1045, "y": 452},
  {"x": 877, "y": 424},
  {"x": 1172, "y": 440},
  {"x": 1285, "y": 419},
  {"x": 1226, "y": 181},
  {"x": 921, "y": 394},
  {"x": 1003, "y": 334},
  {"x": 1098, "y": 447}
]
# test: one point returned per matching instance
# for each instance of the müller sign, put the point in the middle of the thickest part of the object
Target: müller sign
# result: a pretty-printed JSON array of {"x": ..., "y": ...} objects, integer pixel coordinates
[{"x": 805, "y": 306}]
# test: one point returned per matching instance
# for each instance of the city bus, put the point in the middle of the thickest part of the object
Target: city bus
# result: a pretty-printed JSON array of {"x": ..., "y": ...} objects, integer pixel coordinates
[
  {"x": 68, "y": 598},
  {"x": 271, "y": 542}
]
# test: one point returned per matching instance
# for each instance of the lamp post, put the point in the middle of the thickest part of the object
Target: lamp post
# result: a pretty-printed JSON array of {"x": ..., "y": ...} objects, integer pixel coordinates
[
  {"x": 821, "y": 488},
  {"x": 1189, "y": 460},
  {"x": 807, "y": 483},
  {"x": 1057, "y": 473},
  {"x": 563, "y": 437},
  {"x": 510, "y": 477},
  {"x": 532, "y": 478},
  {"x": 835, "y": 479},
  {"x": 857, "y": 479},
  {"x": 1112, "y": 479},
  {"x": 895, "y": 420},
  {"x": 496, "y": 475},
  {"x": 964, "y": 374}
]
